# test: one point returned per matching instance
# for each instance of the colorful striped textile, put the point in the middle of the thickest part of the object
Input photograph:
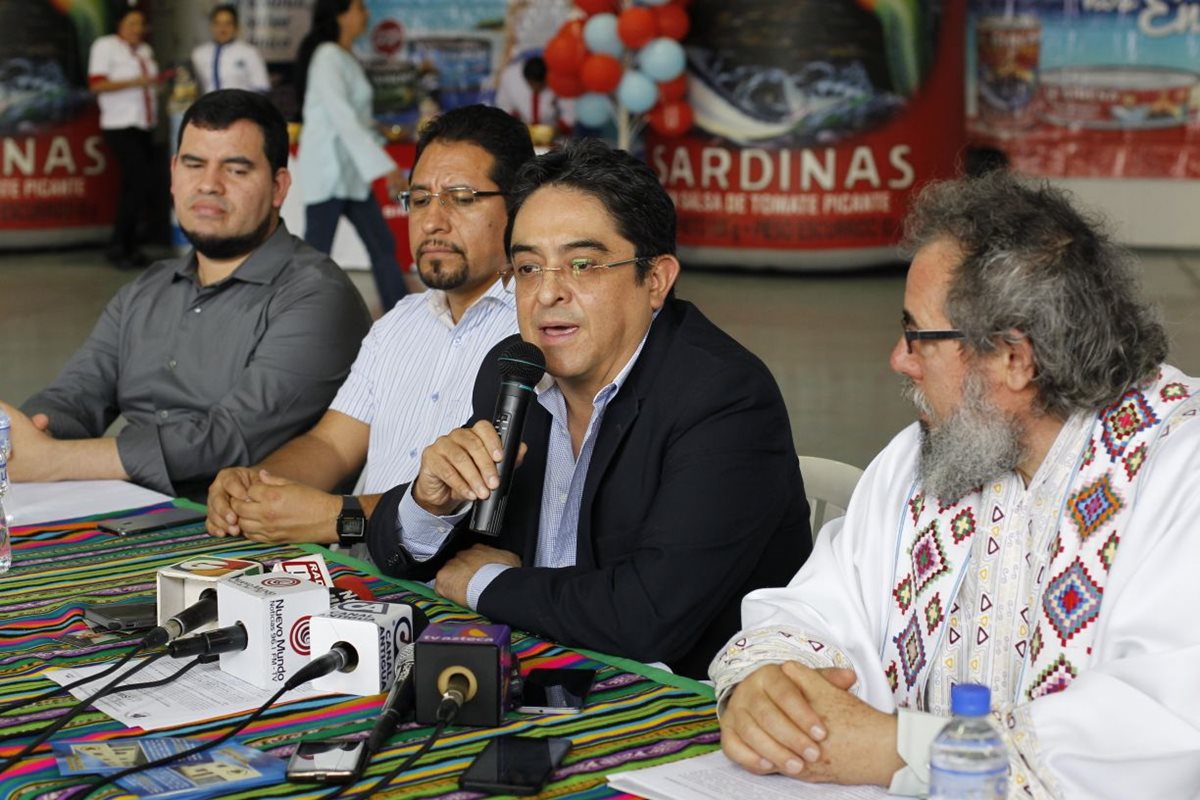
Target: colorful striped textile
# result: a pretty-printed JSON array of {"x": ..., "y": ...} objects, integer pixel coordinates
[{"x": 636, "y": 716}]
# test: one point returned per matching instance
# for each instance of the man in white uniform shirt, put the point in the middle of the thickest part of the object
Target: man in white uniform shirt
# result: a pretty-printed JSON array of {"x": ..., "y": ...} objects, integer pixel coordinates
[
  {"x": 227, "y": 62},
  {"x": 1035, "y": 532},
  {"x": 413, "y": 376}
]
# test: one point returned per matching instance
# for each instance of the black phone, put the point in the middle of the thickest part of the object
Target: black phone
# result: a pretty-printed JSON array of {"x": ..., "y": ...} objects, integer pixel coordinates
[
  {"x": 128, "y": 616},
  {"x": 555, "y": 691},
  {"x": 514, "y": 765},
  {"x": 327, "y": 761},
  {"x": 147, "y": 523}
]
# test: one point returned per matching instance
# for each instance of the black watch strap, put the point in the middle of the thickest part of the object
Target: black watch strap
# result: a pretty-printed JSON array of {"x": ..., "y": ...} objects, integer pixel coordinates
[{"x": 352, "y": 522}]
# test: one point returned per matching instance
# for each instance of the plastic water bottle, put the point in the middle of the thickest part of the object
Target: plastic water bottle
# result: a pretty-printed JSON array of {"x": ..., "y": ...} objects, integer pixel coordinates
[
  {"x": 5, "y": 544},
  {"x": 5, "y": 447},
  {"x": 968, "y": 759}
]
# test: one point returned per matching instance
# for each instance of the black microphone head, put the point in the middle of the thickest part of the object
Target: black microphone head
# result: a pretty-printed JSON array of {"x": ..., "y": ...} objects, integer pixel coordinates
[{"x": 522, "y": 362}]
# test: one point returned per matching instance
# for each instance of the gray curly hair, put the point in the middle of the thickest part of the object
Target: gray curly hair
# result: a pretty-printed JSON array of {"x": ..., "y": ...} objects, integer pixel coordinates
[{"x": 1034, "y": 265}]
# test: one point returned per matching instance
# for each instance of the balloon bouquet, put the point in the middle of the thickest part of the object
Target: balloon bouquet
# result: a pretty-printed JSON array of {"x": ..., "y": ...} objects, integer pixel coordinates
[{"x": 621, "y": 59}]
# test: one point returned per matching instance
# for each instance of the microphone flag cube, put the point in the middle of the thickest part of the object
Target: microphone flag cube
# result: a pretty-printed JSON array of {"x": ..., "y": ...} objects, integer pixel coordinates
[
  {"x": 479, "y": 651},
  {"x": 376, "y": 630},
  {"x": 276, "y": 611},
  {"x": 180, "y": 585}
]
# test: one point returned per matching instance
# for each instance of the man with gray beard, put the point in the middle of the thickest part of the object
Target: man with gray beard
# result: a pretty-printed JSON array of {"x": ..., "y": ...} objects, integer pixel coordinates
[
  {"x": 215, "y": 357},
  {"x": 1035, "y": 532}
]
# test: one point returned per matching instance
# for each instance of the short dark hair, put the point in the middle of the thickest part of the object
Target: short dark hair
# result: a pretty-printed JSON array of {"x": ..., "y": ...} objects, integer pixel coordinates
[
  {"x": 534, "y": 69},
  {"x": 224, "y": 8},
  {"x": 216, "y": 111},
  {"x": 503, "y": 136},
  {"x": 124, "y": 10},
  {"x": 1034, "y": 264},
  {"x": 627, "y": 187}
]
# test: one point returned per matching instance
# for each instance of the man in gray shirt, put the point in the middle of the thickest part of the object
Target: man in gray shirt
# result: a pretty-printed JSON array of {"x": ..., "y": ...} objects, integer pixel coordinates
[{"x": 214, "y": 358}]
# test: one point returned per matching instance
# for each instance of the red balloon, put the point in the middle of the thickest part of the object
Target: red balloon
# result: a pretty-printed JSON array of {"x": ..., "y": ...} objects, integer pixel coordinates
[
  {"x": 601, "y": 73},
  {"x": 636, "y": 27},
  {"x": 672, "y": 21},
  {"x": 596, "y": 6},
  {"x": 565, "y": 54},
  {"x": 671, "y": 119},
  {"x": 564, "y": 84},
  {"x": 674, "y": 89},
  {"x": 572, "y": 28}
]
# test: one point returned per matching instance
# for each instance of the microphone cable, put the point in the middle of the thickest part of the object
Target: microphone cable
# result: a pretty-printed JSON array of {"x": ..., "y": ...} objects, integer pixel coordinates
[
  {"x": 341, "y": 657},
  {"x": 447, "y": 711},
  {"x": 57, "y": 690},
  {"x": 78, "y": 709}
]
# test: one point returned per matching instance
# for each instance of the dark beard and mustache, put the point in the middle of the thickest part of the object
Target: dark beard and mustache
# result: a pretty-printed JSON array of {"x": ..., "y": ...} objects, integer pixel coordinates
[
  {"x": 223, "y": 248},
  {"x": 971, "y": 447},
  {"x": 440, "y": 273}
]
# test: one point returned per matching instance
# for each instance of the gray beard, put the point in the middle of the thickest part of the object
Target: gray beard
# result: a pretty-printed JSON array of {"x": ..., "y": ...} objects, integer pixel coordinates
[{"x": 973, "y": 446}]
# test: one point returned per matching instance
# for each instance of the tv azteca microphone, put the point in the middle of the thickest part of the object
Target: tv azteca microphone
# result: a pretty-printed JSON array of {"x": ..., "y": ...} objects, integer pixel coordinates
[{"x": 521, "y": 366}]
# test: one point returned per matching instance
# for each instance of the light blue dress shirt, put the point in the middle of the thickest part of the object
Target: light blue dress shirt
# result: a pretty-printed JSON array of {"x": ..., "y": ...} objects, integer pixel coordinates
[
  {"x": 423, "y": 534},
  {"x": 341, "y": 153}
]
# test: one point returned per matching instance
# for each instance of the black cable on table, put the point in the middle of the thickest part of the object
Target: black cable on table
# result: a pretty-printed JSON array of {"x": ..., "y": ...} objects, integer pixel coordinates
[
  {"x": 57, "y": 690},
  {"x": 78, "y": 709}
]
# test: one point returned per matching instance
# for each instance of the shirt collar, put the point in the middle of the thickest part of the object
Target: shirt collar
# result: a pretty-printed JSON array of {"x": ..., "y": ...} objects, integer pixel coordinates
[
  {"x": 261, "y": 266},
  {"x": 439, "y": 305}
]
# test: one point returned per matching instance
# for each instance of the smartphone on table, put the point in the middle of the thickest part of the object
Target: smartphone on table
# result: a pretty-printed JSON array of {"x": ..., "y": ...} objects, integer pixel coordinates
[
  {"x": 127, "y": 616},
  {"x": 514, "y": 765},
  {"x": 148, "y": 523},
  {"x": 327, "y": 761},
  {"x": 555, "y": 691}
]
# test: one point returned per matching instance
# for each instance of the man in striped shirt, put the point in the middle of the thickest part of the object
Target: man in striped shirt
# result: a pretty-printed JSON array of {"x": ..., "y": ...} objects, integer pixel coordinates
[{"x": 413, "y": 376}]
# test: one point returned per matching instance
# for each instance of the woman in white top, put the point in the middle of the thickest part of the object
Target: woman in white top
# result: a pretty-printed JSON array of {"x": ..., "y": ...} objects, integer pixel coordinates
[
  {"x": 123, "y": 76},
  {"x": 341, "y": 151}
]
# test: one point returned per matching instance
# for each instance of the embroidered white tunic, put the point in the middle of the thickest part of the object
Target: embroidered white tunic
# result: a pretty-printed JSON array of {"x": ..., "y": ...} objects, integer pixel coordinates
[{"x": 1071, "y": 598}]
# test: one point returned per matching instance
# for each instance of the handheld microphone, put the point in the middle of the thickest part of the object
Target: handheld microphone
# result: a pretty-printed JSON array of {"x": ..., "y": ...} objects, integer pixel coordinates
[
  {"x": 223, "y": 640},
  {"x": 521, "y": 366}
]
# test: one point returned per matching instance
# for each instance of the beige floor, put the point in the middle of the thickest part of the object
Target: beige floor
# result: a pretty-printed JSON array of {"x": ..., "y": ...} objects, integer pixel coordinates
[{"x": 826, "y": 338}]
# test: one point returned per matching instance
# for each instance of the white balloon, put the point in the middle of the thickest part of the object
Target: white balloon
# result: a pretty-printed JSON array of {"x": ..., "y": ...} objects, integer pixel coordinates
[
  {"x": 600, "y": 35},
  {"x": 662, "y": 59}
]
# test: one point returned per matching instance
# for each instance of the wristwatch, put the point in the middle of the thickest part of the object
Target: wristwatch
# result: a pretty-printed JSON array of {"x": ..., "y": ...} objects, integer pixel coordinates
[{"x": 352, "y": 522}]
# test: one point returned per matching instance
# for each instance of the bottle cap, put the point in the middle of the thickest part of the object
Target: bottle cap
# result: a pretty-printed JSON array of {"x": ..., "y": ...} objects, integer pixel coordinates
[{"x": 970, "y": 700}]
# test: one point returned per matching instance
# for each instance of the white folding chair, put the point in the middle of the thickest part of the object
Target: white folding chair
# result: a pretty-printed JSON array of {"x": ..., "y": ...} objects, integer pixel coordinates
[{"x": 828, "y": 485}]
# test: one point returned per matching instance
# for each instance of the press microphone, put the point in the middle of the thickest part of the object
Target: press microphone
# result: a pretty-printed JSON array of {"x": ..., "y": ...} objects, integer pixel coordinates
[
  {"x": 400, "y": 702},
  {"x": 521, "y": 366},
  {"x": 222, "y": 640},
  {"x": 469, "y": 666},
  {"x": 198, "y": 614},
  {"x": 377, "y": 630},
  {"x": 181, "y": 588}
]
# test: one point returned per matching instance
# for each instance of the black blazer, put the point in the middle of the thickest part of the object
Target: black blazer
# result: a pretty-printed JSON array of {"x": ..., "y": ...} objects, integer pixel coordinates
[{"x": 693, "y": 498}]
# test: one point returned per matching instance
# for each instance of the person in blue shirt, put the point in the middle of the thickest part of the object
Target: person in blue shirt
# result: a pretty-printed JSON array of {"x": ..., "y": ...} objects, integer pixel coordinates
[{"x": 341, "y": 151}]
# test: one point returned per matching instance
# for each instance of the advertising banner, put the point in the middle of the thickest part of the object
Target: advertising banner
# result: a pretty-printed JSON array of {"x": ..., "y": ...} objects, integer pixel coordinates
[
  {"x": 56, "y": 180},
  {"x": 815, "y": 122},
  {"x": 1087, "y": 88}
]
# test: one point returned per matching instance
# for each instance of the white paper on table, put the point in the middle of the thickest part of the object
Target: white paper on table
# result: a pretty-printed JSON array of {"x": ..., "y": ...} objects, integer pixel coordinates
[
  {"x": 715, "y": 777},
  {"x": 35, "y": 503},
  {"x": 204, "y": 692}
]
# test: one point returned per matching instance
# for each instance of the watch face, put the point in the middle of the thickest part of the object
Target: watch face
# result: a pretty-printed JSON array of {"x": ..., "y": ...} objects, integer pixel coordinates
[{"x": 352, "y": 526}]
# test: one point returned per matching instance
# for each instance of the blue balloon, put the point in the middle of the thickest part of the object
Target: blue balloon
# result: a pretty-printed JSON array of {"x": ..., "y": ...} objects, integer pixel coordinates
[
  {"x": 662, "y": 59},
  {"x": 593, "y": 109},
  {"x": 637, "y": 92},
  {"x": 600, "y": 35}
]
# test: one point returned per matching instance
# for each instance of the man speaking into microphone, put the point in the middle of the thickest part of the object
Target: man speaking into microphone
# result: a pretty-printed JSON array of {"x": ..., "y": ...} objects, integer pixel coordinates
[{"x": 659, "y": 482}]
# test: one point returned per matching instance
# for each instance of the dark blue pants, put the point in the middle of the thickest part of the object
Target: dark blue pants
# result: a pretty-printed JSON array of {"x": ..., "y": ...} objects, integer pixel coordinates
[{"x": 321, "y": 221}]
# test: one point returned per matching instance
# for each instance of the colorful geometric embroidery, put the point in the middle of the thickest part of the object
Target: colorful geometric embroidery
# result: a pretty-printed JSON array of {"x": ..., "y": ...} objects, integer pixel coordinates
[
  {"x": 904, "y": 594},
  {"x": 933, "y": 613},
  {"x": 1053, "y": 678},
  {"x": 912, "y": 651},
  {"x": 1035, "y": 644},
  {"x": 1108, "y": 550},
  {"x": 916, "y": 506},
  {"x": 943, "y": 506},
  {"x": 1123, "y": 420},
  {"x": 929, "y": 559},
  {"x": 1173, "y": 391},
  {"x": 962, "y": 526},
  {"x": 1072, "y": 600},
  {"x": 893, "y": 677},
  {"x": 1092, "y": 506},
  {"x": 1089, "y": 455},
  {"x": 1133, "y": 462}
]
